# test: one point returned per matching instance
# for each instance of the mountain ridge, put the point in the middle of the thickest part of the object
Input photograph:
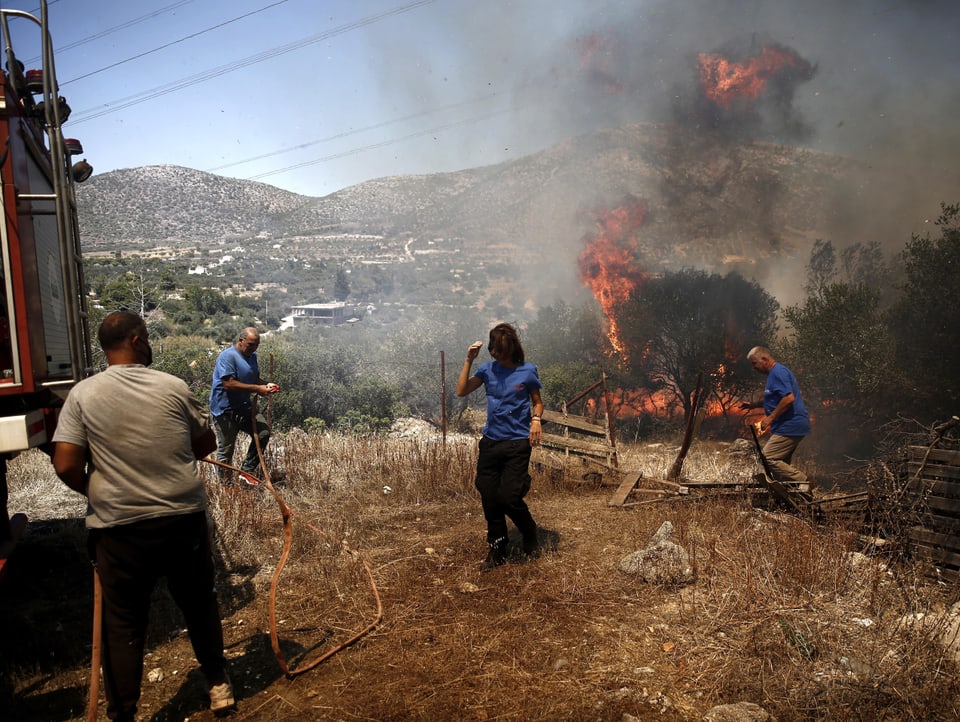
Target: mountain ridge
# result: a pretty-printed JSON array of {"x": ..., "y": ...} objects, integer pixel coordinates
[{"x": 713, "y": 202}]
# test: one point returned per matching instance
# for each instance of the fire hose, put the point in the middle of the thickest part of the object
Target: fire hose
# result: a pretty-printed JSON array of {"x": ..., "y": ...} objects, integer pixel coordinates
[
  {"x": 287, "y": 515},
  {"x": 95, "y": 653}
]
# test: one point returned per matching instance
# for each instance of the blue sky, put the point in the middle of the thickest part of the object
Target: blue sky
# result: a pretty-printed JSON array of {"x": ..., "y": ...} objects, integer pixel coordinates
[{"x": 316, "y": 95}]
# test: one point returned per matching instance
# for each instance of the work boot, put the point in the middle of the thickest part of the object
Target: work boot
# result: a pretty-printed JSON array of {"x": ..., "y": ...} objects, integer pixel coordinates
[
  {"x": 497, "y": 555},
  {"x": 531, "y": 544}
]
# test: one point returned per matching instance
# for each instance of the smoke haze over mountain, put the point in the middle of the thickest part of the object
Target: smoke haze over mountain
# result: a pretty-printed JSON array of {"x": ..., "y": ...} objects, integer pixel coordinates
[
  {"x": 450, "y": 85},
  {"x": 880, "y": 81}
]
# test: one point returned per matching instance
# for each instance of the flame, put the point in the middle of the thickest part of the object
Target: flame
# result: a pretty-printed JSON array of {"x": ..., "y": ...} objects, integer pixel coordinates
[
  {"x": 724, "y": 81},
  {"x": 608, "y": 264},
  {"x": 625, "y": 404},
  {"x": 588, "y": 46},
  {"x": 596, "y": 63}
]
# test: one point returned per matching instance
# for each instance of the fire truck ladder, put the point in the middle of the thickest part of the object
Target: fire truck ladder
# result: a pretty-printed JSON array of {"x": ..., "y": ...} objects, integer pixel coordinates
[{"x": 63, "y": 195}]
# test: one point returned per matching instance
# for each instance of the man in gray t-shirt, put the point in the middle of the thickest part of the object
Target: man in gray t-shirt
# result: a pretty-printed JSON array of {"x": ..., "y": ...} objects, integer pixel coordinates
[{"x": 128, "y": 439}]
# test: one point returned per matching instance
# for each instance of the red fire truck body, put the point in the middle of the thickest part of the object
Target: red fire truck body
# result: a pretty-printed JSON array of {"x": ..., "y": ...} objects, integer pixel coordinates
[{"x": 44, "y": 335}]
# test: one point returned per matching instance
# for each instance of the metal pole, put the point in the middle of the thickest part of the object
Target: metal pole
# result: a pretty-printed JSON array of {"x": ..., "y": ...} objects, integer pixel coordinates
[{"x": 443, "y": 396}]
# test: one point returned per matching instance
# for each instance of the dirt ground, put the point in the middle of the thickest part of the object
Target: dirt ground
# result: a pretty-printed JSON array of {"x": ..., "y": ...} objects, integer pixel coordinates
[{"x": 563, "y": 637}]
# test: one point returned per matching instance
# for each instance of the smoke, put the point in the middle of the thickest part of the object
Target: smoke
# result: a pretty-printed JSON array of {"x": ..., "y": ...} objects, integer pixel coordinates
[
  {"x": 749, "y": 94},
  {"x": 872, "y": 80}
]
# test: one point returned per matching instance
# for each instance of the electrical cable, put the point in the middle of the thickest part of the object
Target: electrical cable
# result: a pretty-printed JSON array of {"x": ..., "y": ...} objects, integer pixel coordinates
[
  {"x": 173, "y": 42},
  {"x": 111, "y": 30},
  {"x": 210, "y": 73},
  {"x": 382, "y": 144}
]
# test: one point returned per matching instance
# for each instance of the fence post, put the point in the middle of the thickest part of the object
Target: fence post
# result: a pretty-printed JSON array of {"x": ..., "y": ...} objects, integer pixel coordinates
[{"x": 443, "y": 396}]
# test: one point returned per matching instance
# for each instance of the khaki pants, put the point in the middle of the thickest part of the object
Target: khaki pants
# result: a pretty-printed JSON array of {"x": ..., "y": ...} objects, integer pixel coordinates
[{"x": 778, "y": 452}]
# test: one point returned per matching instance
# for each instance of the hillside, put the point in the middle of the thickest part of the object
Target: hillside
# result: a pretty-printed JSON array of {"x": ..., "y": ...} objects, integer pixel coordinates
[
  {"x": 713, "y": 203},
  {"x": 160, "y": 204}
]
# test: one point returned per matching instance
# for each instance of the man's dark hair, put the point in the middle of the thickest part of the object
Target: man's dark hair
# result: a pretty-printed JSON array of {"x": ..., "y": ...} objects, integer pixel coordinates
[
  {"x": 118, "y": 327},
  {"x": 505, "y": 341}
]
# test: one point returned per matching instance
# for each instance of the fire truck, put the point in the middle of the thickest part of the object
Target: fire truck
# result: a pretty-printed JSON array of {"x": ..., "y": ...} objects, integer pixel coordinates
[{"x": 44, "y": 332}]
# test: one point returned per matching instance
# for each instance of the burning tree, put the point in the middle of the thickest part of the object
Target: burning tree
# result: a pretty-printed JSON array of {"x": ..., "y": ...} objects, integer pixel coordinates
[
  {"x": 690, "y": 322},
  {"x": 725, "y": 81}
]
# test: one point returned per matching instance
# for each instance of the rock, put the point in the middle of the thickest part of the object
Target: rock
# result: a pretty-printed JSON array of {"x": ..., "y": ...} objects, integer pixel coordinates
[
  {"x": 662, "y": 561},
  {"x": 155, "y": 675},
  {"x": 945, "y": 625},
  {"x": 740, "y": 447},
  {"x": 739, "y": 712}
]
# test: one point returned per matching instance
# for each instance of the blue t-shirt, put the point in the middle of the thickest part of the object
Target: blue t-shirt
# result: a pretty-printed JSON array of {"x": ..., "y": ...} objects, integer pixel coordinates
[
  {"x": 795, "y": 421},
  {"x": 231, "y": 362},
  {"x": 508, "y": 399}
]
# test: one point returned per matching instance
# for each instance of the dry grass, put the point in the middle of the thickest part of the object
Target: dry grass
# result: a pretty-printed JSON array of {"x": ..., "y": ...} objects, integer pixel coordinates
[{"x": 783, "y": 613}]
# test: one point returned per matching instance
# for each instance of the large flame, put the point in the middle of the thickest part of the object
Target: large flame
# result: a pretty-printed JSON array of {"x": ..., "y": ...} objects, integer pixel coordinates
[
  {"x": 724, "y": 81},
  {"x": 608, "y": 264}
]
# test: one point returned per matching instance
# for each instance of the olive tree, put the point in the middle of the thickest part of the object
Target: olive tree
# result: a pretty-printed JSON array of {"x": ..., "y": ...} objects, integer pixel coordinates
[
  {"x": 691, "y": 322},
  {"x": 926, "y": 319}
]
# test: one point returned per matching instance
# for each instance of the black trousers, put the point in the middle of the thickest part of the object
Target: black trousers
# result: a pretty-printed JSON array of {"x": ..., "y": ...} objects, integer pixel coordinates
[
  {"x": 129, "y": 561},
  {"x": 503, "y": 479}
]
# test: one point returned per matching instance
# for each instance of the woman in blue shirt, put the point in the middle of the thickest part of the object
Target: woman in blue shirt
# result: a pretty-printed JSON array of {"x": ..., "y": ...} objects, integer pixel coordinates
[{"x": 512, "y": 430}]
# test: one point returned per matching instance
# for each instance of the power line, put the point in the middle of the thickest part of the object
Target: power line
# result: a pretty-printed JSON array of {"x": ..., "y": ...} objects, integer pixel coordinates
[
  {"x": 107, "y": 108},
  {"x": 115, "y": 28},
  {"x": 355, "y": 131},
  {"x": 373, "y": 146},
  {"x": 176, "y": 42}
]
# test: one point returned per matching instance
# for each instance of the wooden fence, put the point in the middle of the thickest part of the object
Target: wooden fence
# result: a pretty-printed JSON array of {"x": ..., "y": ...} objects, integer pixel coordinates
[
  {"x": 582, "y": 446},
  {"x": 933, "y": 495}
]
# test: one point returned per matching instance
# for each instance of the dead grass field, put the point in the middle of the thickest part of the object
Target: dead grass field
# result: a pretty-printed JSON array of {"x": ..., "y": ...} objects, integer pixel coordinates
[{"x": 784, "y": 613}]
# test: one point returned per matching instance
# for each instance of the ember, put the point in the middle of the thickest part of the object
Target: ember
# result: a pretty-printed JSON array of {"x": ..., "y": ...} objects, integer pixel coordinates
[{"x": 608, "y": 264}]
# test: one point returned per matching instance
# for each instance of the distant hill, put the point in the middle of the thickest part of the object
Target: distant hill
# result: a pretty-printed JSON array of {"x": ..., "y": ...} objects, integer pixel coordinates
[
  {"x": 712, "y": 203},
  {"x": 168, "y": 203}
]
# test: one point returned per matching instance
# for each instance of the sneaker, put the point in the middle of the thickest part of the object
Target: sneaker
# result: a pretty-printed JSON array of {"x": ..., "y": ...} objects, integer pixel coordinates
[
  {"x": 221, "y": 696},
  {"x": 249, "y": 478}
]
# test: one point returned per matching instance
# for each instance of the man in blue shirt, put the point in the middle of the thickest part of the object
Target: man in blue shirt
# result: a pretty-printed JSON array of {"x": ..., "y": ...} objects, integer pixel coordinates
[
  {"x": 236, "y": 376},
  {"x": 785, "y": 416}
]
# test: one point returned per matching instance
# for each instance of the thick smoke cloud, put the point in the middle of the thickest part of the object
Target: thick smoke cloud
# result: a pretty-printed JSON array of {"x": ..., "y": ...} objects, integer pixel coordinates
[
  {"x": 875, "y": 80},
  {"x": 748, "y": 93},
  {"x": 880, "y": 81}
]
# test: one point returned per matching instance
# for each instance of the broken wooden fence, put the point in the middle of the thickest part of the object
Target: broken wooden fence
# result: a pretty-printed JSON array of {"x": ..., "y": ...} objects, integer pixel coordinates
[
  {"x": 582, "y": 446},
  {"x": 933, "y": 495}
]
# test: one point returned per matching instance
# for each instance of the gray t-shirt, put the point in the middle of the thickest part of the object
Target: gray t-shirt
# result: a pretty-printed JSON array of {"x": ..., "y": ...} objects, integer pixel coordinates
[{"x": 138, "y": 425}]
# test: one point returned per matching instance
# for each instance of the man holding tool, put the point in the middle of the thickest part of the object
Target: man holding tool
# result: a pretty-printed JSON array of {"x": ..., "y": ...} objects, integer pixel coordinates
[
  {"x": 785, "y": 416},
  {"x": 235, "y": 377}
]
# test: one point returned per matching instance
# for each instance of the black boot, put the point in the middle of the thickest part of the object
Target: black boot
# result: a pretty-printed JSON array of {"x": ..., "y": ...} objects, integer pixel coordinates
[
  {"x": 531, "y": 545},
  {"x": 497, "y": 555}
]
